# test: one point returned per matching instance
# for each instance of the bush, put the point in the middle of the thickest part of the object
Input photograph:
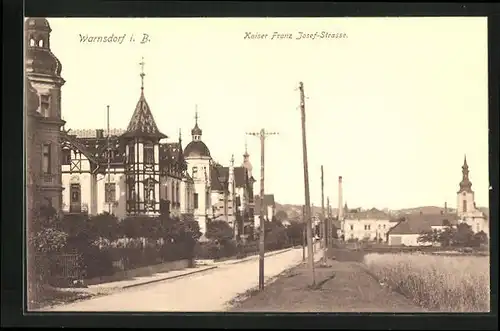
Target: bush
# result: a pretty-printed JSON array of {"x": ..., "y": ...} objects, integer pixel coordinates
[{"x": 443, "y": 283}]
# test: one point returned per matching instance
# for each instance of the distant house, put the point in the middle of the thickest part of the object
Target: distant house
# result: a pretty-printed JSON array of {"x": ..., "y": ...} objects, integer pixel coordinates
[
  {"x": 370, "y": 224},
  {"x": 407, "y": 230},
  {"x": 269, "y": 208}
]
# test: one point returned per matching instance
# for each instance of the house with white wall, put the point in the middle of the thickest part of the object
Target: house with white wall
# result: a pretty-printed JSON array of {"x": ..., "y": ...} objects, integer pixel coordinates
[{"x": 372, "y": 225}]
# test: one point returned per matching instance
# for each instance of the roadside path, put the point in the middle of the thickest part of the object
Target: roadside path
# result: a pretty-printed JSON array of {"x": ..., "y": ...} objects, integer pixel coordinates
[{"x": 205, "y": 291}]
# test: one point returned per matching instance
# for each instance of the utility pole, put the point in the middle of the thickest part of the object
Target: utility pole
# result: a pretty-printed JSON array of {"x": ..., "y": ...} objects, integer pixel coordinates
[
  {"x": 323, "y": 217},
  {"x": 304, "y": 223},
  {"x": 330, "y": 228},
  {"x": 233, "y": 202},
  {"x": 262, "y": 135},
  {"x": 109, "y": 164},
  {"x": 306, "y": 186}
]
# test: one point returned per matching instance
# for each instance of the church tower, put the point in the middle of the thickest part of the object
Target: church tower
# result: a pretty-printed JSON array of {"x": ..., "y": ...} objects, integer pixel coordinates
[
  {"x": 465, "y": 195},
  {"x": 43, "y": 72},
  {"x": 142, "y": 159},
  {"x": 197, "y": 156}
]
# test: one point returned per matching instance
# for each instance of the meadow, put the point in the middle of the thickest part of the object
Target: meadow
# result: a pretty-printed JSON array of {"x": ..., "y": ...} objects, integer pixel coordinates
[{"x": 437, "y": 283}]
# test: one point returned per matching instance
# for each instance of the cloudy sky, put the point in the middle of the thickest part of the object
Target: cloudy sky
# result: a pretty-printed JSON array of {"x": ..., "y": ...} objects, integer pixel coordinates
[{"x": 392, "y": 107}]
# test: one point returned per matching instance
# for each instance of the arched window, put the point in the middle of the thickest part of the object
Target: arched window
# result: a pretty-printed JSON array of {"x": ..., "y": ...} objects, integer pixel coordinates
[
  {"x": 464, "y": 206},
  {"x": 32, "y": 42},
  {"x": 40, "y": 43}
]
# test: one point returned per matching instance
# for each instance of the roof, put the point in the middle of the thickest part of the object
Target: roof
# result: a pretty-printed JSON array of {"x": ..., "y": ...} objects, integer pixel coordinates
[
  {"x": 373, "y": 213},
  {"x": 418, "y": 223},
  {"x": 171, "y": 153},
  {"x": 196, "y": 148},
  {"x": 77, "y": 143},
  {"x": 142, "y": 123},
  {"x": 41, "y": 60},
  {"x": 37, "y": 23},
  {"x": 268, "y": 201}
]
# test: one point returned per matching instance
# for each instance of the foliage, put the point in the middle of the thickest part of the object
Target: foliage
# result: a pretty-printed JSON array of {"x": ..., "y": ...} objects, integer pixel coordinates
[
  {"x": 219, "y": 231},
  {"x": 48, "y": 240},
  {"x": 442, "y": 283},
  {"x": 275, "y": 235},
  {"x": 295, "y": 232},
  {"x": 281, "y": 215},
  {"x": 105, "y": 225},
  {"x": 461, "y": 235}
]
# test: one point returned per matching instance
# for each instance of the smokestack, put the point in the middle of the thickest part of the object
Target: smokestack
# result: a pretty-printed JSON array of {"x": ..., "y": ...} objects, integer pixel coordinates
[
  {"x": 341, "y": 207},
  {"x": 445, "y": 207}
]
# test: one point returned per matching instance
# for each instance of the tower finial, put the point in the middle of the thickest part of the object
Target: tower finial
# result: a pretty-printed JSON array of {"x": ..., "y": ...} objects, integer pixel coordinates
[
  {"x": 142, "y": 72},
  {"x": 196, "y": 114},
  {"x": 180, "y": 135},
  {"x": 232, "y": 160}
]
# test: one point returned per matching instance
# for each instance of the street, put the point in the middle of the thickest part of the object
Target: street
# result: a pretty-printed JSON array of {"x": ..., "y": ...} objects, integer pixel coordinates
[{"x": 207, "y": 291}]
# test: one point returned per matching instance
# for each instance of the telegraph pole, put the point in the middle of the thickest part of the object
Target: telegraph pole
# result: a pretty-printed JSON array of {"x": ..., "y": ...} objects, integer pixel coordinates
[
  {"x": 323, "y": 217},
  {"x": 262, "y": 135},
  {"x": 330, "y": 233},
  {"x": 109, "y": 163},
  {"x": 304, "y": 223},
  {"x": 306, "y": 186}
]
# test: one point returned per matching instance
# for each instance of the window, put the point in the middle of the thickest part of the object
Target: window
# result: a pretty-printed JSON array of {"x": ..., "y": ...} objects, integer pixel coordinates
[
  {"x": 464, "y": 206},
  {"x": 195, "y": 172},
  {"x": 66, "y": 157},
  {"x": 172, "y": 190},
  {"x": 352, "y": 227},
  {"x": 195, "y": 200},
  {"x": 131, "y": 153},
  {"x": 32, "y": 42},
  {"x": 46, "y": 159},
  {"x": 40, "y": 43},
  {"x": 110, "y": 195},
  {"x": 177, "y": 192},
  {"x": 45, "y": 105},
  {"x": 149, "y": 154},
  {"x": 384, "y": 226},
  {"x": 379, "y": 226}
]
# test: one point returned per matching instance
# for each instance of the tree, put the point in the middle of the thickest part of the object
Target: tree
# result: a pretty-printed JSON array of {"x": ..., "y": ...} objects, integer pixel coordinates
[
  {"x": 275, "y": 235},
  {"x": 281, "y": 215},
  {"x": 219, "y": 231},
  {"x": 463, "y": 235},
  {"x": 105, "y": 225},
  {"x": 295, "y": 232},
  {"x": 479, "y": 239},
  {"x": 431, "y": 237}
]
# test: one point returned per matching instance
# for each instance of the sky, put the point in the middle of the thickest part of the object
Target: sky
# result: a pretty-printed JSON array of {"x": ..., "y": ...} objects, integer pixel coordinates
[{"x": 392, "y": 107}]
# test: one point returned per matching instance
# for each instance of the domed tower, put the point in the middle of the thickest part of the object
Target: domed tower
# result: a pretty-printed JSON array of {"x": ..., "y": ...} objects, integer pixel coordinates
[
  {"x": 465, "y": 194},
  {"x": 43, "y": 71},
  {"x": 198, "y": 159}
]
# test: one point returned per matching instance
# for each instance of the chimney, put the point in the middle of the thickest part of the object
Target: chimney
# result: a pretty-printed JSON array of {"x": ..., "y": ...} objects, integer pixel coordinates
[
  {"x": 99, "y": 133},
  {"x": 341, "y": 209},
  {"x": 445, "y": 207}
]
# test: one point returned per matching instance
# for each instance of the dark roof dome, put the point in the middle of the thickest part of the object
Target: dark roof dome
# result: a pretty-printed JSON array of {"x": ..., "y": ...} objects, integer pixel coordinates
[
  {"x": 39, "y": 57},
  {"x": 37, "y": 23},
  {"x": 196, "y": 148},
  {"x": 196, "y": 131},
  {"x": 42, "y": 61}
]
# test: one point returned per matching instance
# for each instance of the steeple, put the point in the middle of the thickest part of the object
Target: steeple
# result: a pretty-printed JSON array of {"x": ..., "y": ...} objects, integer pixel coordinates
[
  {"x": 39, "y": 58},
  {"x": 142, "y": 123},
  {"x": 246, "y": 155},
  {"x": 465, "y": 184},
  {"x": 196, "y": 131},
  {"x": 246, "y": 161}
]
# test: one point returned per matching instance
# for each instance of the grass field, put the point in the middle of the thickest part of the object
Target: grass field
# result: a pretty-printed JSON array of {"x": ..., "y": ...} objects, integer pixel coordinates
[{"x": 442, "y": 283}]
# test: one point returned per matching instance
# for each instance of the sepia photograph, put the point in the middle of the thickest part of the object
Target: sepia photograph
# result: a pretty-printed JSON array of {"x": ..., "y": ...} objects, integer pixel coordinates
[{"x": 257, "y": 164}]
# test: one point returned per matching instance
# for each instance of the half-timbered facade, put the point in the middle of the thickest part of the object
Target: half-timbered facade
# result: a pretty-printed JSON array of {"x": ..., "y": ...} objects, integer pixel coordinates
[{"x": 126, "y": 173}]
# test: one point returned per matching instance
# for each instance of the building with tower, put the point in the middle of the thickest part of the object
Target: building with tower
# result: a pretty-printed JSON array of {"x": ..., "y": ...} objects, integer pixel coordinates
[
  {"x": 466, "y": 206},
  {"x": 43, "y": 83},
  {"x": 134, "y": 172},
  {"x": 407, "y": 231}
]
